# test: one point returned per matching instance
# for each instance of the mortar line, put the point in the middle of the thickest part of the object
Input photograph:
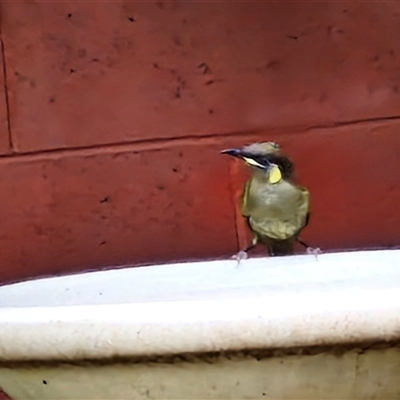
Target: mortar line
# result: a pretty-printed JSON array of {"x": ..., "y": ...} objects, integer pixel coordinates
[
  {"x": 169, "y": 142},
  {"x": 353, "y": 122}
]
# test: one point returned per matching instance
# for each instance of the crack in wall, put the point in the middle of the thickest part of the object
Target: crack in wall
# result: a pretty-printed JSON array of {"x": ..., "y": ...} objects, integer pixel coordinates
[{"x": 6, "y": 98}]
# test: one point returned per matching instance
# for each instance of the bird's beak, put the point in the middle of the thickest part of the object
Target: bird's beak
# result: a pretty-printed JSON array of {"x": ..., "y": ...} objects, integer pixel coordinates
[
  {"x": 233, "y": 152},
  {"x": 247, "y": 158}
]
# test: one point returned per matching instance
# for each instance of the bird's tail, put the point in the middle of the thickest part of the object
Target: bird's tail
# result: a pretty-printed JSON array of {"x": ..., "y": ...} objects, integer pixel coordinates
[{"x": 278, "y": 248}]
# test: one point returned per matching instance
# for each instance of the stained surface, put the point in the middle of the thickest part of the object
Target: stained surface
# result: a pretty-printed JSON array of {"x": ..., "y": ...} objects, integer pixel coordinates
[
  {"x": 355, "y": 374},
  {"x": 118, "y": 111}
]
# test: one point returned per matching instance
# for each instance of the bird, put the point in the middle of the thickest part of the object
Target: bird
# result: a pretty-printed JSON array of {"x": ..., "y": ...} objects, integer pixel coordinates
[{"x": 276, "y": 208}]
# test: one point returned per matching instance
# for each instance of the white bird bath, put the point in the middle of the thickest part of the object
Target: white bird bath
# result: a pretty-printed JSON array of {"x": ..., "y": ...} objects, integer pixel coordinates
[{"x": 272, "y": 328}]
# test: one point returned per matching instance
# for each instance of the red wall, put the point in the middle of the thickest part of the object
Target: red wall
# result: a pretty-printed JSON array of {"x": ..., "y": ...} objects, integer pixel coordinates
[
  {"x": 117, "y": 112},
  {"x": 4, "y": 396}
]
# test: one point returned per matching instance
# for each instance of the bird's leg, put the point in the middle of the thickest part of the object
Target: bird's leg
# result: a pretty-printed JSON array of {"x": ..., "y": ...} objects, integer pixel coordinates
[
  {"x": 242, "y": 254},
  {"x": 310, "y": 250}
]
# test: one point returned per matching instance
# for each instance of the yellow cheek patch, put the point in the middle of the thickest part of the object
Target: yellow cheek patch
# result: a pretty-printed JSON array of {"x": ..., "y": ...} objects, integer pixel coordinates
[
  {"x": 275, "y": 174},
  {"x": 252, "y": 162}
]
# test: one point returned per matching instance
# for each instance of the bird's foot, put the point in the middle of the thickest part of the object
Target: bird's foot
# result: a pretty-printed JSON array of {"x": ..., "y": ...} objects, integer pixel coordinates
[
  {"x": 242, "y": 255},
  {"x": 315, "y": 251}
]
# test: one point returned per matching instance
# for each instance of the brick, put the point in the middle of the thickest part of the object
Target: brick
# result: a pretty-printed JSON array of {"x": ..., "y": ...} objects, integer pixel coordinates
[
  {"x": 84, "y": 73},
  {"x": 4, "y": 140},
  {"x": 71, "y": 212},
  {"x": 352, "y": 173}
]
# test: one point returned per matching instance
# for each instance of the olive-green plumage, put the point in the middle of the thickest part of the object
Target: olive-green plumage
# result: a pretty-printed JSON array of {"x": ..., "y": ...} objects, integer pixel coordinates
[{"x": 275, "y": 207}]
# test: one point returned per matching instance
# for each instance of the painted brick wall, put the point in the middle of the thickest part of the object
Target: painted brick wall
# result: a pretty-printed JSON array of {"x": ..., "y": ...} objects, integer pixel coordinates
[{"x": 112, "y": 116}]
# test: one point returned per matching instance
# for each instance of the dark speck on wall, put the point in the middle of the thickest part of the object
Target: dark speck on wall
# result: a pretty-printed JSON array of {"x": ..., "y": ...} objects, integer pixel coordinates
[
  {"x": 82, "y": 53},
  {"x": 206, "y": 69},
  {"x": 273, "y": 65},
  {"x": 131, "y": 19},
  {"x": 44, "y": 382},
  {"x": 210, "y": 82},
  {"x": 177, "y": 40}
]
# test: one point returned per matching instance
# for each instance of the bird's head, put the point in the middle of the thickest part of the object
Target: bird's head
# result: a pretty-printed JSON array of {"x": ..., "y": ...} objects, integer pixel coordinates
[{"x": 260, "y": 156}]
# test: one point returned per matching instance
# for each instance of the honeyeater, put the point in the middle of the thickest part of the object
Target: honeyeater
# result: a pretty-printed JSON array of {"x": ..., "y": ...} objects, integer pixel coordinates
[{"x": 275, "y": 207}]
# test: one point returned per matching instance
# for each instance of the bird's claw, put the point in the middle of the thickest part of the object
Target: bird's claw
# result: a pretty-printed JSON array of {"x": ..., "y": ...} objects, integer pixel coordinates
[
  {"x": 241, "y": 255},
  {"x": 314, "y": 251}
]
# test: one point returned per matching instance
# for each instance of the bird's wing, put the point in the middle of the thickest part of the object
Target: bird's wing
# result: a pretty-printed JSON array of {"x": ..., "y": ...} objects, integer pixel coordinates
[
  {"x": 304, "y": 206},
  {"x": 245, "y": 197},
  {"x": 279, "y": 228}
]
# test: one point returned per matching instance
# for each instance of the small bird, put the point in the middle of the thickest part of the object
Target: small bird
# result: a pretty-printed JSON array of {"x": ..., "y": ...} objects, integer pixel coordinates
[{"x": 275, "y": 207}]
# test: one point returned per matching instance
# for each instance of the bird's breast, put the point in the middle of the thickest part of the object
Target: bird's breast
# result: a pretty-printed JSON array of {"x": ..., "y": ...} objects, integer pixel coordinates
[
  {"x": 276, "y": 210},
  {"x": 277, "y": 200}
]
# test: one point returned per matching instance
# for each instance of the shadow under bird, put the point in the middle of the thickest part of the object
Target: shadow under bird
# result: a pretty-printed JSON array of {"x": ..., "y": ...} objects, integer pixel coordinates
[{"x": 275, "y": 207}]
